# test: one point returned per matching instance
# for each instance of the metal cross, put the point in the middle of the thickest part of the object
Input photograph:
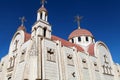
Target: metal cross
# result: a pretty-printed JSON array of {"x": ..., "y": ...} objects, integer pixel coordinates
[
  {"x": 23, "y": 20},
  {"x": 78, "y": 19},
  {"x": 43, "y": 2}
]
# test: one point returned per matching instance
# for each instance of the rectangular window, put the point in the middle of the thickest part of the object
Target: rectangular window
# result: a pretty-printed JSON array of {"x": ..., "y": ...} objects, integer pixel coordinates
[
  {"x": 79, "y": 39},
  {"x": 44, "y": 32},
  {"x": 72, "y": 40},
  {"x": 86, "y": 38}
]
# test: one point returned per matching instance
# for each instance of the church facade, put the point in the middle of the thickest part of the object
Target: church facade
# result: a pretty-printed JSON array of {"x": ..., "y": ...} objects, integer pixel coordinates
[{"x": 43, "y": 56}]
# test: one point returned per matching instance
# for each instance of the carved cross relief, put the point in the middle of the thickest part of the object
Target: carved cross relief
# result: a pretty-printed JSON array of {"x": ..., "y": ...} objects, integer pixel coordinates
[{"x": 51, "y": 55}]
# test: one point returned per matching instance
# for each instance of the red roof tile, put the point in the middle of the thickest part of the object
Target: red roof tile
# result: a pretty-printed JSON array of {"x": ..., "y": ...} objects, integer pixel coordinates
[
  {"x": 21, "y": 28},
  {"x": 80, "y": 32},
  {"x": 91, "y": 49},
  {"x": 67, "y": 43},
  {"x": 42, "y": 9},
  {"x": 27, "y": 36}
]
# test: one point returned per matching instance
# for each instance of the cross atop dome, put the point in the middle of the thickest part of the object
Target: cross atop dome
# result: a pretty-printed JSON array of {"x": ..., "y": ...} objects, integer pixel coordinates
[
  {"x": 23, "y": 20},
  {"x": 78, "y": 19},
  {"x": 22, "y": 27}
]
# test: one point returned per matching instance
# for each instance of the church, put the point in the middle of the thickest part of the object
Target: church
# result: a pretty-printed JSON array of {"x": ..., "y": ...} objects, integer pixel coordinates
[{"x": 40, "y": 55}]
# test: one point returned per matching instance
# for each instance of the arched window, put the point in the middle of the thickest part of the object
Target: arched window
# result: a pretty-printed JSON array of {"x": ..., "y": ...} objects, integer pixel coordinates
[
  {"x": 44, "y": 32},
  {"x": 87, "y": 39},
  {"x": 41, "y": 15},
  {"x": 79, "y": 39},
  {"x": 72, "y": 40}
]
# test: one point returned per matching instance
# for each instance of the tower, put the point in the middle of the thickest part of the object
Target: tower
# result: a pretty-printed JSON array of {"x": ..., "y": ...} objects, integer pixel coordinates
[
  {"x": 42, "y": 27},
  {"x": 42, "y": 12}
]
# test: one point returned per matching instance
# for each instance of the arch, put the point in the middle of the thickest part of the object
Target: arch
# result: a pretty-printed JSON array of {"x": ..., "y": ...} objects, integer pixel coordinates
[
  {"x": 105, "y": 58},
  {"x": 22, "y": 34},
  {"x": 100, "y": 43}
]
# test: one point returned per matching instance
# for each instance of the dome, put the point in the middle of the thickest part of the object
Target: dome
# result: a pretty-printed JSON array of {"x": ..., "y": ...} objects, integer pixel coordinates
[
  {"x": 22, "y": 28},
  {"x": 80, "y": 32},
  {"x": 42, "y": 9}
]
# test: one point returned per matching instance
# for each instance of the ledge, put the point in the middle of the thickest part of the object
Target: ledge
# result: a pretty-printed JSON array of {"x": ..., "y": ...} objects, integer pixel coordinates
[
  {"x": 10, "y": 69},
  {"x": 108, "y": 74}
]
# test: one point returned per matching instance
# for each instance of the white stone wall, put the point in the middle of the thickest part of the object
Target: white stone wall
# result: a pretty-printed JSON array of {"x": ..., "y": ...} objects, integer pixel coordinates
[
  {"x": 28, "y": 66},
  {"x": 51, "y": 70}
]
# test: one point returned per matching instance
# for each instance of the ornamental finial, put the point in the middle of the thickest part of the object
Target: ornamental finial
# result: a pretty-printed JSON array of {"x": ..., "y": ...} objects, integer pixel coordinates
[{"x": 43, "y": 2}]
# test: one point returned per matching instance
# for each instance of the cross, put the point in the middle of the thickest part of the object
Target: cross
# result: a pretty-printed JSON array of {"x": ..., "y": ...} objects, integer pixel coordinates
[
  {"x": 22, "y": 20},
  {"x": 78, "y": 19},
  {"x": 43, "y": 2},
  {"x": 50, "y": 51}
]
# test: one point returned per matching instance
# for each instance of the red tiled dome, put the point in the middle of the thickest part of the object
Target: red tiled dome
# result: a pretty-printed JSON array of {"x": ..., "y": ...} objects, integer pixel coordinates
[
  {"x": 22, "y": 28},
  {"x": 67, "y": 43},
  {"x": 80, "y": 32},
  {"x": 42, "y": 9}
]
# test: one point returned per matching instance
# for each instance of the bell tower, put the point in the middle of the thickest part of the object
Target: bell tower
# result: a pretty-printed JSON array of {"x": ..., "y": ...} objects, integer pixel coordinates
[
  {"x": 42, "y": 27},
  {"x": 42, "y": 12}
]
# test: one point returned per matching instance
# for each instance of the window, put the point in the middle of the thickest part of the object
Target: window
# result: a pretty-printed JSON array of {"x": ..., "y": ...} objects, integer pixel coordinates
[
  {"x": 51, "y": 55},
  {"x": 86, "y": 38},
  {"x": 72, "y": 40},
  {"x": 41, "y": 15},
  {"x": 44, "y": 32},
  {"x": 70, "y": 60},
  {"x": 79, "y": 39}
]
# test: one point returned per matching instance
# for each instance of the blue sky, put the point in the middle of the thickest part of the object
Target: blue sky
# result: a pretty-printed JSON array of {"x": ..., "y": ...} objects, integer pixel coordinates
[{"x": 101, "y": 17}]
